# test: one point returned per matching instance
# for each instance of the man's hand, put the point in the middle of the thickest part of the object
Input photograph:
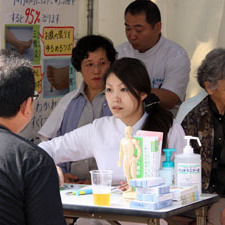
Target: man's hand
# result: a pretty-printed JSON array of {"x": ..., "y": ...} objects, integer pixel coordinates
[
  {"x": 61, "y": 177},
  {"x": 168, "y": 99}
]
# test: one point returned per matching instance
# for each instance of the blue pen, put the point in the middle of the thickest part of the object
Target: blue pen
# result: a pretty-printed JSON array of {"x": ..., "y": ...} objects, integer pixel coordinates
[{"x": 83, "y": 192}]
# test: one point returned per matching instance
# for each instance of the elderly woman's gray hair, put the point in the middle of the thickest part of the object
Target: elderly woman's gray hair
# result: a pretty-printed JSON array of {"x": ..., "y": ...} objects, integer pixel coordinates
[{"x": 212, "y": 68}]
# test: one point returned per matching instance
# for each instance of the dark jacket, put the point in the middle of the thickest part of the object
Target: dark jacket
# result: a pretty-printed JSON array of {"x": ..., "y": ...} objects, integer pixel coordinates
[
  {"x": 198, "y": 123},
  {"x": 29, "y": 185}
]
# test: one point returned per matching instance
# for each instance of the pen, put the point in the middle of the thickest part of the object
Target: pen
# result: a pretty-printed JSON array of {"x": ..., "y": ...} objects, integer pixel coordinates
[{"x": 82, "y": 192}]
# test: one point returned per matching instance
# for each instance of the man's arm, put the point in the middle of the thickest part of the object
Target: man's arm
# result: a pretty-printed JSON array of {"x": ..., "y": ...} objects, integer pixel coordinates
[
  {"x": 172, "y": 91},
  {"x": 168, "y": 99}
]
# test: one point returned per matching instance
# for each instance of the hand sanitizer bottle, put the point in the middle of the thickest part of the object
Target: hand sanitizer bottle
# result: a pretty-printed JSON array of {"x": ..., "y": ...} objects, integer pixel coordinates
[
  {"x": 167, "y": 171},
  {"x": 188, "y": 167}
]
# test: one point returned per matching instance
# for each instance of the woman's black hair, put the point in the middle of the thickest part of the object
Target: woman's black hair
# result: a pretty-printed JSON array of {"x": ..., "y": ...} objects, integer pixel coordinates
[
  {"x": 132, "y": 72},
  {"x": 91, "y": 43}
]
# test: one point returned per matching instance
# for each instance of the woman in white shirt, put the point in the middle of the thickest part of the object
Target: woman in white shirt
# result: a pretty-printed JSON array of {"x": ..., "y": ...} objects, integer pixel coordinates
[{"x": 128, "y": 93}]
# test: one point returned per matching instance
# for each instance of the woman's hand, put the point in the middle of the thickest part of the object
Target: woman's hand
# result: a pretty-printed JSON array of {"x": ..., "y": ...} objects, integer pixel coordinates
[
  {"x": 70, "y": 178},
  {"x": 123, "y": 186}
]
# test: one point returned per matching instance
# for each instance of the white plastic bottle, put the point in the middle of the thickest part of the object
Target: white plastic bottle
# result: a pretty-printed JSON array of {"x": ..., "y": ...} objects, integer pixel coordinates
[{"x": 188, "y": 167}]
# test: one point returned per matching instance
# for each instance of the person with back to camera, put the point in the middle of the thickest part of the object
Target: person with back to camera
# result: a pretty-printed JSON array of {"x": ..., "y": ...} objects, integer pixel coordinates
[
  {"x": 207, "y": 121},
  {"x": 29, "y": 185},
  {"x": 92, "y": 56},
  {"x": 128, "y": 93},
  {"x": 167, "y": 63}
]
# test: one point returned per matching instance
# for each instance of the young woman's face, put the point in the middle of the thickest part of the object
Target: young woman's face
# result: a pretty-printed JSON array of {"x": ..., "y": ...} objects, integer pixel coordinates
[
  {"x": 122, "y": 103},
  {"x": 94, "y": 67}
]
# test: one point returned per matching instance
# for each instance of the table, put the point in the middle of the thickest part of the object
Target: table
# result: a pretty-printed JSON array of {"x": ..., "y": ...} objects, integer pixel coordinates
[{"x": 119, "y": 210}]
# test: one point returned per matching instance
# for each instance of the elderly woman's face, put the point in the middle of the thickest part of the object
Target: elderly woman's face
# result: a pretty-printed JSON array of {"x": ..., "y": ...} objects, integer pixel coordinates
[
  {"x": 218, "y": 95},
  {"x": 94, "y": 67}
]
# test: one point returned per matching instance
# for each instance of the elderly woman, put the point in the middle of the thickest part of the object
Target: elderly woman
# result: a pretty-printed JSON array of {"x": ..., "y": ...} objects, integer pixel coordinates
[{"x": 207, "y": 121}]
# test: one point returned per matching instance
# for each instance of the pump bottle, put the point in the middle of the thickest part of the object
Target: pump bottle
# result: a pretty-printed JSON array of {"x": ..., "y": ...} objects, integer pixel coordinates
[
  {"x": 188, "y": 167},
  {"x": 167, "y": 171}
]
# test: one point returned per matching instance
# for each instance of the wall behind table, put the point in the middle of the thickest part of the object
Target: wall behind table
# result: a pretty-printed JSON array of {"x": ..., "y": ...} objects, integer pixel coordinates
[{"x": 197, "y": 26}]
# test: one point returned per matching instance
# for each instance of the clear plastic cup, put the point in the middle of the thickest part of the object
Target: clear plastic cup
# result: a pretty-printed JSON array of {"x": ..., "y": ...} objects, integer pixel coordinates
[{"x": 101, "y": 181}]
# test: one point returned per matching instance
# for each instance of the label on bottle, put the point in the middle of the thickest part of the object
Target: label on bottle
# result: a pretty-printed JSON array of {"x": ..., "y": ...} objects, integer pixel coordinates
[
  {"x": 167, "y": 174},
  {"x": 189, "y": 174}
]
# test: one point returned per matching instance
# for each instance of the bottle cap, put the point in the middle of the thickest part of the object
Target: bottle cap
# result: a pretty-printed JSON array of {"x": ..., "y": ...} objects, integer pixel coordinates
[{"x": 168, "y": 163}]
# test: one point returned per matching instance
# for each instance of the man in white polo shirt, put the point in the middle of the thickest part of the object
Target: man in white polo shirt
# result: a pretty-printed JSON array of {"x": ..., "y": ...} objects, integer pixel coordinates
[{"x": 167, "y": 63}]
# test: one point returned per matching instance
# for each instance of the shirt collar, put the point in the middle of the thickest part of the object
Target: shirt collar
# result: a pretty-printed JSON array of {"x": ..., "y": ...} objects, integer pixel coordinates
[
  {"x": 137, "y": 126},
  {"x": 153, "y": 49},
  {"x": 213, "y": 108},
  {"x": 3, "y": 127},
  {"x": 81, "y": 88}
]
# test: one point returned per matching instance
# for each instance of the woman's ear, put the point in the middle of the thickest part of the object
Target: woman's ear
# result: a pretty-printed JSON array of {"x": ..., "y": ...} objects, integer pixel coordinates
[
  {"x": 143, "y": 95},
  {"x": 208, "y": 88}
]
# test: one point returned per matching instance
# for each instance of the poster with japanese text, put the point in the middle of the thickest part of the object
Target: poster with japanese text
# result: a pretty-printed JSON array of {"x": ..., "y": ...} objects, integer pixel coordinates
[{"x": 43, "y": 31}]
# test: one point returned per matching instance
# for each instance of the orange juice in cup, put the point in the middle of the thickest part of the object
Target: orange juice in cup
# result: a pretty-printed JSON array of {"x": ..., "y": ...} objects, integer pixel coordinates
[
  {"x": 101, "y": 186},
  {"x": 102, "y": 199}
]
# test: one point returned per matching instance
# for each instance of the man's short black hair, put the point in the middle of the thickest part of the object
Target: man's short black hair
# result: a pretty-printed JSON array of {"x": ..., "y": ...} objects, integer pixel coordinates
[
  {"x": 16, "y": 82},
  {"x": 148, "y": 7},
  {"x": 91, "y": 43}
]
